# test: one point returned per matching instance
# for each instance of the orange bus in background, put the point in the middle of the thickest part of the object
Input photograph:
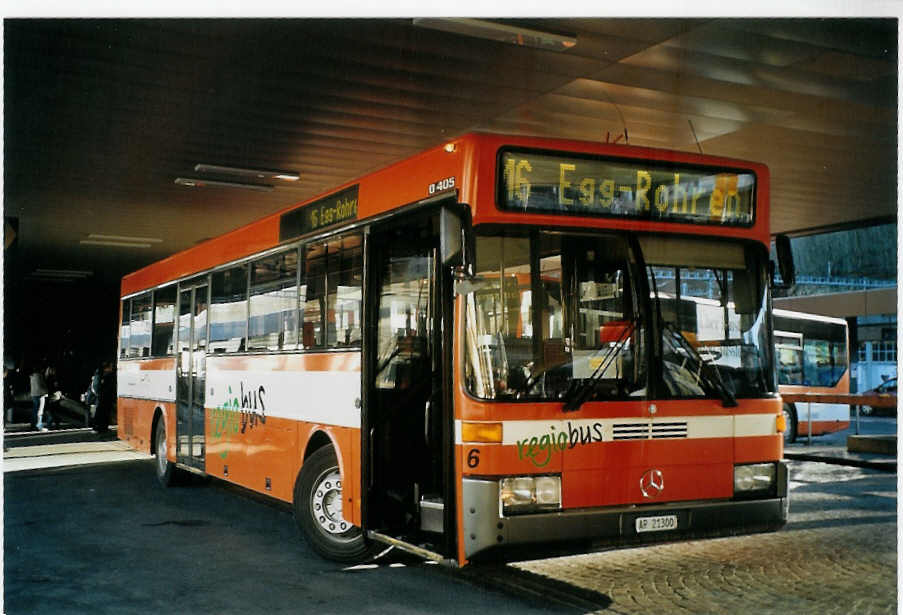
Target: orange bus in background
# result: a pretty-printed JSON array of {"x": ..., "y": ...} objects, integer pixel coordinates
[
  {"x": 812, "y": 357},
  {"x": 499, "y": 346}
]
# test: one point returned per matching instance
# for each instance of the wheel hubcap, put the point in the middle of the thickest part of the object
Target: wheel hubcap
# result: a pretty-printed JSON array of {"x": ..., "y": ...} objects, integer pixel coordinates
[
  {"x": 161, "y": 451},
  {"x": 326, "y": 503}
]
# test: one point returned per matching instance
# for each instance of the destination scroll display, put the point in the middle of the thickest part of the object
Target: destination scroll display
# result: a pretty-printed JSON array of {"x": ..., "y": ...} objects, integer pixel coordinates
[
  {"x": 325, "y": 212},
  {"x": 548, "y": 183}
]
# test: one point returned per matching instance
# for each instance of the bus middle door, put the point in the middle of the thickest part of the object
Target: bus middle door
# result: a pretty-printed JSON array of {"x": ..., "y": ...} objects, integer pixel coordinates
[{"x": 191, "y": 376}]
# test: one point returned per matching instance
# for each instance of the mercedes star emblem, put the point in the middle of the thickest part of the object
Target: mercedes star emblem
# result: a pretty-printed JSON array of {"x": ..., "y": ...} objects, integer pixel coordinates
[{"x": 652, "y": 483}]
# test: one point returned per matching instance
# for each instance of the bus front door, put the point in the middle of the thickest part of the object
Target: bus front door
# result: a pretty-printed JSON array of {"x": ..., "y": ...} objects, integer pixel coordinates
[
  {"x": 191, "y": 376},
  {"x": 404, "y": 419}
]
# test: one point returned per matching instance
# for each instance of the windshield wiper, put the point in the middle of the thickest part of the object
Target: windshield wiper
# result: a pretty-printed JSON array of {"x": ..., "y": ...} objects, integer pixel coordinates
[
  {"x": 584, "y": 389},
  {"x": 709, "y": 374}
]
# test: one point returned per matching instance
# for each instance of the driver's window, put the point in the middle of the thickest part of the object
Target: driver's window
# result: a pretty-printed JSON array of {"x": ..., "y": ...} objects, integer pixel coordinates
[
  {"x": 502, "y": 331},
  {"x": 588, "y": 290}
]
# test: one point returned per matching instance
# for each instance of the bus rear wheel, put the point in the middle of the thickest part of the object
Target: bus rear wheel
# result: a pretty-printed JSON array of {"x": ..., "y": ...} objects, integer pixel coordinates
[
  {"x": 318, "y": 510},
  {"x": 790, "y": 420}
]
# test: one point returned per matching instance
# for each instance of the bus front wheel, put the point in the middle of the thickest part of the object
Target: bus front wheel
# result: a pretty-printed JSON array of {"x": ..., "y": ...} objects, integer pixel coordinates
[
  {"x": 166, "y": 470},
  {"x": 790, "y": 419},
  {"x": 318, "y": 510}
]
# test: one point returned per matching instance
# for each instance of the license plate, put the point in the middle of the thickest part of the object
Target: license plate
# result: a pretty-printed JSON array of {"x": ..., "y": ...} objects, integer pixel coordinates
[{"x": 656, "y": 524}]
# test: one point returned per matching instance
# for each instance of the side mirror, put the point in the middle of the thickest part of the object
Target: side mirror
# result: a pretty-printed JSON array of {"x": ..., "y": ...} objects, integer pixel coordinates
[
  {"x": 457, "y": 244},
  {"x": 785, "y": 259},
  {"x": 451, "y": 237}
]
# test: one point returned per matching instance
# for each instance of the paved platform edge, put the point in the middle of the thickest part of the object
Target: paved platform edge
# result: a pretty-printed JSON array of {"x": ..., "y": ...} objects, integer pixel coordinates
[{"x": 885, "y": 465}]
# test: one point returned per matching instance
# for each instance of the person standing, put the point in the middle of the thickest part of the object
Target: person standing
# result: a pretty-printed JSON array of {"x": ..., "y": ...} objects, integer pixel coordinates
[
  {"x": 105, "y": 399},
  {"x": 91, "y": 395},
  {"x": 38, "y": 399},
  {"x": 9, "y": 396}
]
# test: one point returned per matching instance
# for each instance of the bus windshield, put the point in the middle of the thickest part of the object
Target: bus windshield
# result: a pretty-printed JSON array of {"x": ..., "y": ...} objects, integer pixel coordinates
[{"x": 558, "y": 316}]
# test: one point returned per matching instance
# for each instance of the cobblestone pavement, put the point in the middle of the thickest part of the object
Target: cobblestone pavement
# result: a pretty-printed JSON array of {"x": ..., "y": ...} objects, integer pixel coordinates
[{"x": 837, "y": 554}]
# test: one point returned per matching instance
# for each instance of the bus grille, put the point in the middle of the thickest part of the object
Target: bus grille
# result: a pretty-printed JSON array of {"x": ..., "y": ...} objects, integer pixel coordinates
[{"x": 649, "y": 431}]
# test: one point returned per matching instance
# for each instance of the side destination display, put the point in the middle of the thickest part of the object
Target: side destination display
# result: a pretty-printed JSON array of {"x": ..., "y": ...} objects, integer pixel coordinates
[
  {"x": 325, "y": 212},
  {"x": 648, "y": 190}
]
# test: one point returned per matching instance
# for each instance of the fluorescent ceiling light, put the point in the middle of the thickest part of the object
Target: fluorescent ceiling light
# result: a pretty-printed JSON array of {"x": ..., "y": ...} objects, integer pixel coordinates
[
  {"x": 43, "y": 279},
  {"x": 289, "y": 176},
  {"x": 196, "y": 182},
  {"x": 502, "y": 32},
  {"x": 62, "y": 273},
  {"x": 125, "y": 238},
  {"x": 117, "y": 244}
]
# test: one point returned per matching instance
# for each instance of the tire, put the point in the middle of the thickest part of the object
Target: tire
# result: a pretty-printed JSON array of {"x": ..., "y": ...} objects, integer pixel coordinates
[
  {"x": 790, "y": 417},
  {"x": 165, "y": 469},
  {"x": 318, "y": 511}
]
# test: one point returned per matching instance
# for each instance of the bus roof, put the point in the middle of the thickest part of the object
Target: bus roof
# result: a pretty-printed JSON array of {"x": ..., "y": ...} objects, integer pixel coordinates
[{"x": 465, "y": 166}]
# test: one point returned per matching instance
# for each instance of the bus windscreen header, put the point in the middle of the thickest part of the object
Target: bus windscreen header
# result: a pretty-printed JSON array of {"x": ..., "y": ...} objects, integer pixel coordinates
[{"x": 640, "y": 189}]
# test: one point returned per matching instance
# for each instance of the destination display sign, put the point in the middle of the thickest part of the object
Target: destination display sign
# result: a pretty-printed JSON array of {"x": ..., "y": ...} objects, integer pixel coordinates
[
  {"x": 641, "y": 189},
  {"x": 325, "y": 212}
]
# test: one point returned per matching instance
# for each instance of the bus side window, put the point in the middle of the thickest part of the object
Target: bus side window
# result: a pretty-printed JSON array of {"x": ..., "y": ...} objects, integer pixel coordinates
[
  {"x": 124, "y": 329},
  {"x": 164, "y": 319},
  {"x": 332, "y": 293},
  {"x": 313, "y": 297},
  {"x": 344, "y": 280},
  {"x": 229, "y": 309},
  {"x": 140, "y": 326},
  {"x": 273, "y": 305}
]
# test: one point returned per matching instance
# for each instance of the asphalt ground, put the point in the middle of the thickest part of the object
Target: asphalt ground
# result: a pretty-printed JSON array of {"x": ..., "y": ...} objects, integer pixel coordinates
[
  {"x": 88, "y": 530},
  {"x": 108, "y": 539}
]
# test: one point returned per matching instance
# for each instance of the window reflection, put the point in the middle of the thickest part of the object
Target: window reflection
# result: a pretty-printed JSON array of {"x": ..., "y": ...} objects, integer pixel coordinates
[
  {"x": 273, "y": 322},
  {"x": 140, "y": 326},
  {"x": 262, "y": 306},
  {"x": 228, "y": 309},
  {"x": 532, "y": 337},
  {"x": 579, "y": 323},
  {"x": 331, "y": 293},
  {"x": 404, "y": 321},
  {"x": 164, "y": 318}
]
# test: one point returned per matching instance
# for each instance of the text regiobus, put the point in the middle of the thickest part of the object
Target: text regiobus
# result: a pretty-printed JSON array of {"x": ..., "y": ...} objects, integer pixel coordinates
[{"x": 502, "y": 345}]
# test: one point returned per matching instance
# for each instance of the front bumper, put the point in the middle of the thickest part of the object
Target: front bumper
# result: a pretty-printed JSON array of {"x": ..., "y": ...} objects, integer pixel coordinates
[{"x": 488, "y": 533}]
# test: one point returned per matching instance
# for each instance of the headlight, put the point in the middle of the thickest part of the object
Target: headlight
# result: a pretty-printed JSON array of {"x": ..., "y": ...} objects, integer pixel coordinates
[
  {"x": 754, "y": 477},
  {"x": 520, "y": 494}
]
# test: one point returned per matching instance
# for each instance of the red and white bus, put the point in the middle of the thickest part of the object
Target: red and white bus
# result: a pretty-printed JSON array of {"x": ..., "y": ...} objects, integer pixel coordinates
[
  {"x": 499, "y": 346},
  {"x": 812, "y": 357}
]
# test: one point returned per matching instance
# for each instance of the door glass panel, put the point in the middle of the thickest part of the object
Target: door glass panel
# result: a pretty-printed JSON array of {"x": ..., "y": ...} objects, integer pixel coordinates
[
  {"x": 199, "y": 372},
  {"x": 404, "y": 320},
  {"x": 404, "y": 407},
  {"x": 183, "y": 379}
]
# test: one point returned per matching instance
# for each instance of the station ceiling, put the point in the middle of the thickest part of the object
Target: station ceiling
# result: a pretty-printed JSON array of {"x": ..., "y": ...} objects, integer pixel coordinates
[{"x": 101, "y": 116}]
